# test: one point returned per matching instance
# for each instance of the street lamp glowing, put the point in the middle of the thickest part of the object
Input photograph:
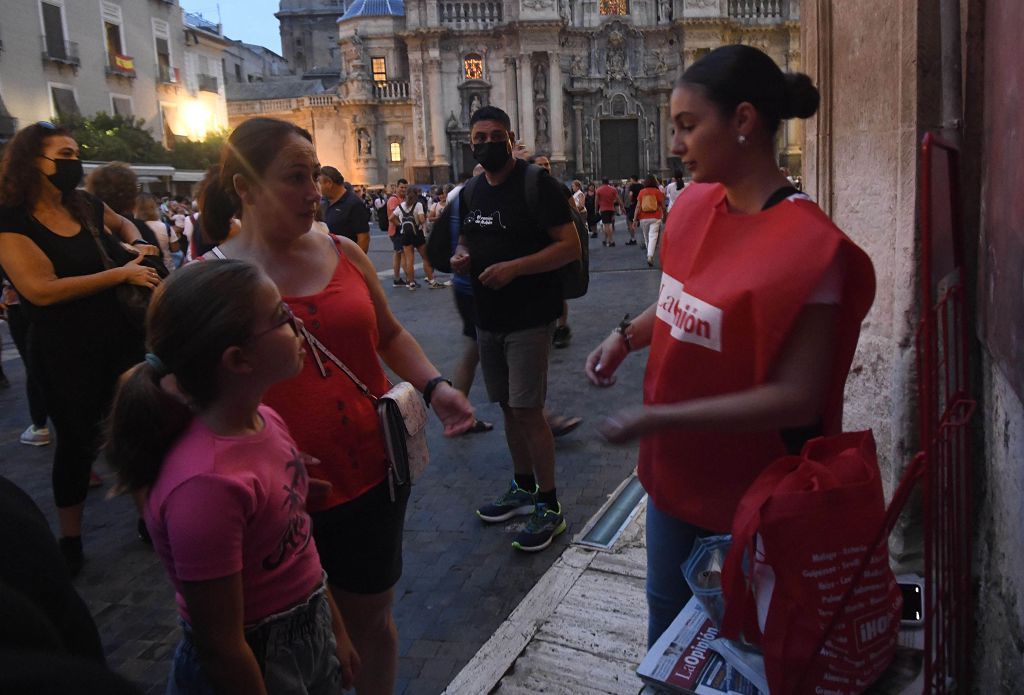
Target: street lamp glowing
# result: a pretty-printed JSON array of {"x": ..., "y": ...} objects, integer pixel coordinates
[{"x": 197, "y": 120}]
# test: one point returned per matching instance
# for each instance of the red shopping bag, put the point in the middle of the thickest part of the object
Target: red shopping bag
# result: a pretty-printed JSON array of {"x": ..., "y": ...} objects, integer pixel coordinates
[{"x": 807, "y": 576}]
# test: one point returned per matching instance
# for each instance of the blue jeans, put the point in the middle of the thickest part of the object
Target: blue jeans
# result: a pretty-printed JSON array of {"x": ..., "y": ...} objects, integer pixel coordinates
[
  {"x": 669, "y": 542},
  {"x": 296, "y": 651}
]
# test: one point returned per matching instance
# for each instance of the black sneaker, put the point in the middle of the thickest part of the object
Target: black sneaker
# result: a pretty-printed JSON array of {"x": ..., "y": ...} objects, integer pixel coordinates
[
  {"x": 545, "y": 523},
  {"x": 561, "y": 337},
  {"x": 631, "y": 242},
  {"x": 515, "y": 502},
  {"x": 398, "y": 282}
]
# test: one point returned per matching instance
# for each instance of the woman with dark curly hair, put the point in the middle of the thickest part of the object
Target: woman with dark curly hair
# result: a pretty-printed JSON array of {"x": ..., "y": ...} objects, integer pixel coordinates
[{"x": 82, "y": 339}]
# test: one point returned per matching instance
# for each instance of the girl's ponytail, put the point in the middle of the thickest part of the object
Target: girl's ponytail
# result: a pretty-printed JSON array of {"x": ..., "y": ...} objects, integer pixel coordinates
[
  {"x": 144, "y": 422},
  {"x": 218, "y": 203}
]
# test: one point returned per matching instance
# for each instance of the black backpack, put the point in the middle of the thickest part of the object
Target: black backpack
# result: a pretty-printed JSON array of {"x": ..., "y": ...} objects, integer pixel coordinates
[
  {"x": 382, "y": 216},
  {"x": 575, "y": 275},
  {"x": 408, "y": 225}
]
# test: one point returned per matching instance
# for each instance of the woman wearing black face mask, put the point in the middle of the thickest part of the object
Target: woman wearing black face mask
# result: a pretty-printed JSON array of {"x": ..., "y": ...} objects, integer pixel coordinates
[{"x": 79, "y": 338}]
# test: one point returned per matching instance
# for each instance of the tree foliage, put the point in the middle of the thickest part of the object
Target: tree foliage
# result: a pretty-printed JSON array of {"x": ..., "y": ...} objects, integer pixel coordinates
[
  {"x": 197, "y": 154},
  {"x": 107, "y": 138}
]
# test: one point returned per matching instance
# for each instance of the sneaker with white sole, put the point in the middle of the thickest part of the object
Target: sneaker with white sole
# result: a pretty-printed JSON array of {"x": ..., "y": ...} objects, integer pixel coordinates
[
  {"x": 35, "y": 436},
  {"x": 435, "y": 285},
  {"x": 515, "y": 502},
  {"x": 545, "y": 523}
]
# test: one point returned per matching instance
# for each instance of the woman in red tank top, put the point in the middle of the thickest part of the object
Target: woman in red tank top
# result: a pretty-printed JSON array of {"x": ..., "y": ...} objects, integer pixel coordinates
[
  {"x": 269, "y": 174},
  {"x": 758, "y": 315}
]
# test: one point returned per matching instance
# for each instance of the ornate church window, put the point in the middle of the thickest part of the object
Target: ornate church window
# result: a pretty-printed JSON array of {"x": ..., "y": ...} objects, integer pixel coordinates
[
  {"x": 614, "y": 6},
  {"x": 473, "y": 67},
  {"x": 379, "y": 68}
]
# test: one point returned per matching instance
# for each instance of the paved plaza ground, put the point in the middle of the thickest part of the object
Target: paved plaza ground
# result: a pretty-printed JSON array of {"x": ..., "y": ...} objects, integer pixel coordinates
[{"x": 462, "y": 579}]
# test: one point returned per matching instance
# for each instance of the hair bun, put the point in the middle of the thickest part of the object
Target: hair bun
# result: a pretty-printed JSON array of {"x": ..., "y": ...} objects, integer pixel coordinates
[{"x": 802, "y": 96}]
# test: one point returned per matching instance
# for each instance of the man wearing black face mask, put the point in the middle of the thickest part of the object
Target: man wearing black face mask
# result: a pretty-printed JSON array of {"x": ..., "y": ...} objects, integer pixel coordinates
[{"x": 511, "y": 254}]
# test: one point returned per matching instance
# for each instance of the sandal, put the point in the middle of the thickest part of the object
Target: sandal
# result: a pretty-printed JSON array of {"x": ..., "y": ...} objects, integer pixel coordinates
[
  {"x": 479, "y": 426},
  {"x": 562, "y": 425}
]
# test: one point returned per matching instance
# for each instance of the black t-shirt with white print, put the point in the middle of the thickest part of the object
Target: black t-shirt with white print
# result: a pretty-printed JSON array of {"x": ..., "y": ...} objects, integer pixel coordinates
[{"x": 497, "y": 227}]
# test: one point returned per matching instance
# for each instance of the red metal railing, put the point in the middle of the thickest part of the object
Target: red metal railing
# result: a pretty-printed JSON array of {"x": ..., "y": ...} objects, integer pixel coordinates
[{"x": 945, "y": 408}]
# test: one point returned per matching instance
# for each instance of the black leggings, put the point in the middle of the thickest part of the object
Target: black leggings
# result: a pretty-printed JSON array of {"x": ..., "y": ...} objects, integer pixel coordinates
[
  {"x": 18, "y": 322},
  {"x": 78, "y": 382}
]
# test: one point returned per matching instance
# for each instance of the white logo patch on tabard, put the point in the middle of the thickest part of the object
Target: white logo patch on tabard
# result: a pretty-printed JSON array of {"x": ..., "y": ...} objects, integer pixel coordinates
[{"x": 690, "y": 319}]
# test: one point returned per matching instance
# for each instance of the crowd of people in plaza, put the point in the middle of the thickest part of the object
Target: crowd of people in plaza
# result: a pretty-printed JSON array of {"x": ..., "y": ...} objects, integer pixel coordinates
[{"x": 259, "y": 470}]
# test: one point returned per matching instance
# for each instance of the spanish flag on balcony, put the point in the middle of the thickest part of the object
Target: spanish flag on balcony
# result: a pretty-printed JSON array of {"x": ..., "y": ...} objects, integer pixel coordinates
[{"x": 124, "y": 63}]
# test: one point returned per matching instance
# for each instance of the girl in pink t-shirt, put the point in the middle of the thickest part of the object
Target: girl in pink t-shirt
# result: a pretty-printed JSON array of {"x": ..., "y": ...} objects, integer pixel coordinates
[{"x": 224, "y": 487}]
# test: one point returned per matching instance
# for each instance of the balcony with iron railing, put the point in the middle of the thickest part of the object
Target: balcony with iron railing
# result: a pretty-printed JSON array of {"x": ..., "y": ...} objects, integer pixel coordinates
[
  {"x": 120, "y": 66},
  {"x": 208, "y": 83},
  {"x": 58, "y": 51},
  {"x": 759, "y": 11},
  {"x": 472, "y": 14},
  {"x": 391, "y": 90}
]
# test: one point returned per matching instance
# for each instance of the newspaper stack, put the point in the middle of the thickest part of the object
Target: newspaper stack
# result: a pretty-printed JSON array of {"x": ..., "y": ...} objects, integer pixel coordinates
[{"x": 685, "y": 659}]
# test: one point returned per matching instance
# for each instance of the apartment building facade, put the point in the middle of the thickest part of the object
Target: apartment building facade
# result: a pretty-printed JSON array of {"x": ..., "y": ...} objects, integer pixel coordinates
[{"x": 63, "y": 58}]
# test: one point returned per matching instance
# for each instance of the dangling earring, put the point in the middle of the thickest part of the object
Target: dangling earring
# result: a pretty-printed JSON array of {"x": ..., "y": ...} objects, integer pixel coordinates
[{"x": 742, "y": 139}]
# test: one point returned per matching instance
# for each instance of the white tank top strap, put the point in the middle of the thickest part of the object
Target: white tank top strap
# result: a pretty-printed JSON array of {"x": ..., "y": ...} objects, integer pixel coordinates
[{"x": 218, "y": 253}]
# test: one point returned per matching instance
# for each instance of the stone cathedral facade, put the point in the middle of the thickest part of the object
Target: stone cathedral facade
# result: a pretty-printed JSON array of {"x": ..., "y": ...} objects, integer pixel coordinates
[{"x": 586, "y": 82}]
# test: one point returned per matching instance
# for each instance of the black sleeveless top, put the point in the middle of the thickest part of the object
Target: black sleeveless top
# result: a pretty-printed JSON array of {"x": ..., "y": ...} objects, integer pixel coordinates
[{"x": 93, "y": 315}]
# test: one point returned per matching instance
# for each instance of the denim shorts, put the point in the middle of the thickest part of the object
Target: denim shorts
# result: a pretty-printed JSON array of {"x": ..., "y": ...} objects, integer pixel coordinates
[{"x": 295, "y": 649}]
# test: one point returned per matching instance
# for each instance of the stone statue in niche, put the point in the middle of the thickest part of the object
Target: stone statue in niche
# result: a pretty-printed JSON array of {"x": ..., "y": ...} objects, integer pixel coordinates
[
  {"x": 364, "y": 143},
  {"x": 358, "y": 49},
  {"x": 616, "y": 55},
  {"x": 666, "y": 10},
  {"x": 652, "y": 133},
  {"x": 616, "y": 64},
  {"x": 541, "y": 117},
  {"x": 474, "y": 104},
  {"x": 577, "y": 69},
  {"x": 540, "y": 81}
]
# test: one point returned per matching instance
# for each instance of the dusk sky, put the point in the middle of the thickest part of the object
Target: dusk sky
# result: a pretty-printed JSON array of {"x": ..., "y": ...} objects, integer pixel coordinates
[{"x": 251, "y": 21}]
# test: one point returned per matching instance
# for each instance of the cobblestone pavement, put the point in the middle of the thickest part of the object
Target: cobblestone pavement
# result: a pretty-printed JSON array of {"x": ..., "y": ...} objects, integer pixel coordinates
[{"x": 461, "y": 578}]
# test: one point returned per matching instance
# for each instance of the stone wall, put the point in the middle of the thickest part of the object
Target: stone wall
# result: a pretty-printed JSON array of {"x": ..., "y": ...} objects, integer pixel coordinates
[
  {"x": 860, "y": 165},
  {"x": 877, "y": 64},
  {"x": 999, "y": 537}
]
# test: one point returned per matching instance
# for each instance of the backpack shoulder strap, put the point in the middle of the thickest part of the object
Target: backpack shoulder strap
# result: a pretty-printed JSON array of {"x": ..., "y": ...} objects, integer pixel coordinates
[
  {"x": 467, "y": 194},
  {"x": 532, "y": 187}
]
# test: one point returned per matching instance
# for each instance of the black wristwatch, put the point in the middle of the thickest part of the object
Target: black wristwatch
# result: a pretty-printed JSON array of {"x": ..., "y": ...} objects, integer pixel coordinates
[
  {"x": 428, "y": 390},
  {"x": 622, "y": 329},
  {"x": 139, "y": 241}
]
